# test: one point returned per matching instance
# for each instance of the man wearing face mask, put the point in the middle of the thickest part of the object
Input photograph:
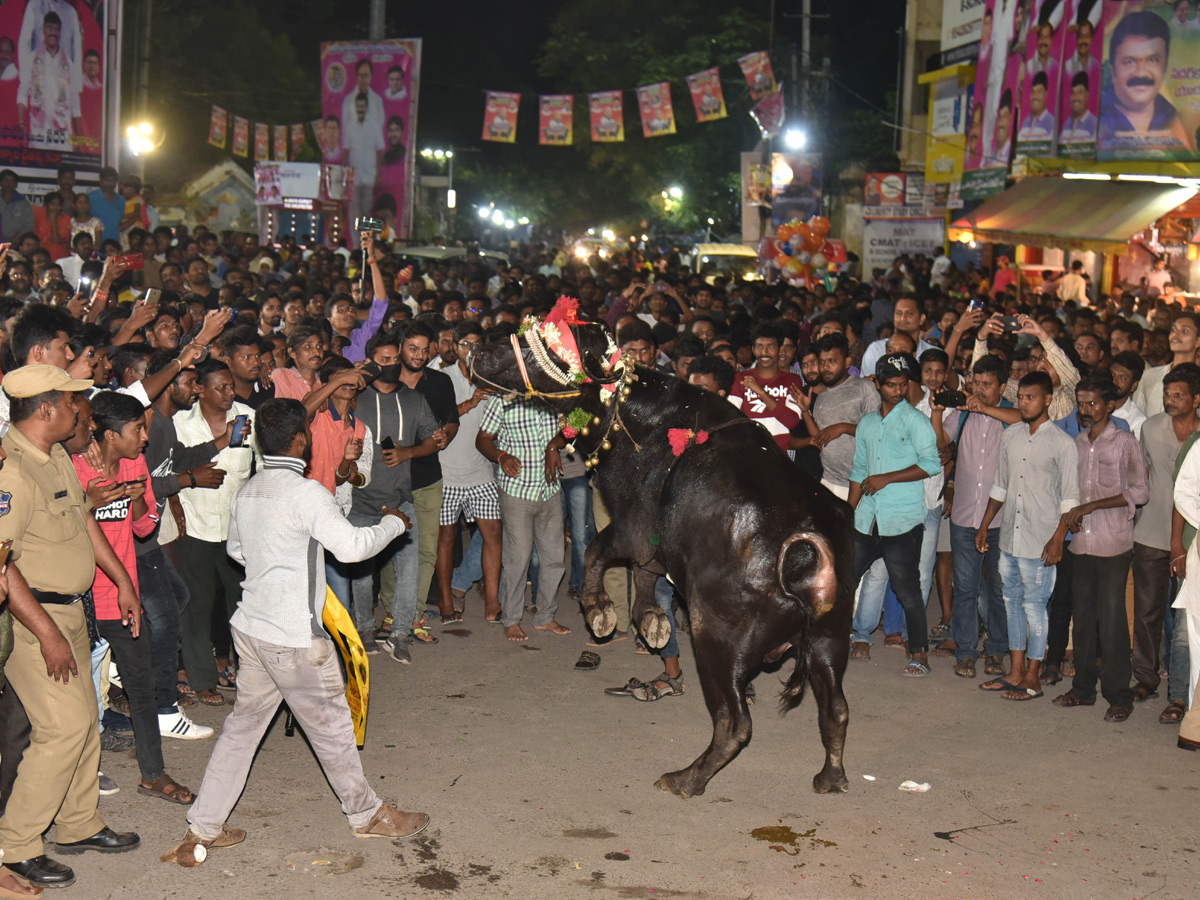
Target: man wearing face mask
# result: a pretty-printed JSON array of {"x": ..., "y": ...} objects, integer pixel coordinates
[{"x": 402, "y": 427}]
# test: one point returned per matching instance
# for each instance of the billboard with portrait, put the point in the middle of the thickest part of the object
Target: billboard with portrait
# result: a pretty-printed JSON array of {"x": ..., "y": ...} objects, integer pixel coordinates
[
  {"x": 995, "y": 104},
  {"x": 51, "y": 83},
  {"x": 369, "y": 108},
  {"x": 1079, "y": 83},
  {"x": 1038, "y": 128},
  {"x": 1150, "y": 95}
]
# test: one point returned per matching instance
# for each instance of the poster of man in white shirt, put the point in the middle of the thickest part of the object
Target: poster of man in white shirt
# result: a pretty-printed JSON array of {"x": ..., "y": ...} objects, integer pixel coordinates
[
  {"x": 362, "y": 136},
  {"x": 49, "y": 92},
  {"x": 364, "y": 87}
]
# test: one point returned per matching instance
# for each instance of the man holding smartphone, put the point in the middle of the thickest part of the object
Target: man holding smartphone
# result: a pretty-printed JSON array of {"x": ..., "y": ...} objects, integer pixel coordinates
[{"x": 403, "y": 428}]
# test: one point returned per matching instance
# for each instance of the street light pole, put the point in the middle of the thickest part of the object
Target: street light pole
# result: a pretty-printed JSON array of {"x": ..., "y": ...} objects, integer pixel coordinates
[{"x": 376, "y": 26}]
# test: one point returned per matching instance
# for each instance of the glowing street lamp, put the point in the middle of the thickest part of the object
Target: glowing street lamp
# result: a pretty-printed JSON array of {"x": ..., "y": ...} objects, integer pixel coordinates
[{"x": 141, "y": 139}]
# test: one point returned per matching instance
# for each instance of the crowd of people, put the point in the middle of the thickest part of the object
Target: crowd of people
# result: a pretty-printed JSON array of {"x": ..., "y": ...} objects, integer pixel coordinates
[{"x": 185, "y": 425}]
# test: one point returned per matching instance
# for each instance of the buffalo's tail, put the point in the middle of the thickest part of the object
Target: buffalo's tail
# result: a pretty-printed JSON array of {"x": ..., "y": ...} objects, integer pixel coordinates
[{"x": 814, "y": 586}]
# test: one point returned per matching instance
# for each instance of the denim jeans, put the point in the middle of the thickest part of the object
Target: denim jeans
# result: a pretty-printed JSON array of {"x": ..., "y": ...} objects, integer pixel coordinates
[
  {"x": 1027, "y": 588},
  {"x": 164, "y": 596},
  {"x": 470, "y": 570},
  {"x": 977, "y": 593},
  {"x": 1179, "y": 657},
  {"x": 337, "y": 576},
  {"x": 872, "y": 592},
  {"x": 664, "y": 599},
  {"x": 402, "y": 553},
  {"x": 900, "y": 554},
  {"x": 577, "y": 508},
  {"x": 929, "y": 543}
]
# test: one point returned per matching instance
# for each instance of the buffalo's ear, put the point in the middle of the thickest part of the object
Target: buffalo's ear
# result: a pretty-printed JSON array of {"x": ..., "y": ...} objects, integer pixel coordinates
[{"x": 593, "y": 348}]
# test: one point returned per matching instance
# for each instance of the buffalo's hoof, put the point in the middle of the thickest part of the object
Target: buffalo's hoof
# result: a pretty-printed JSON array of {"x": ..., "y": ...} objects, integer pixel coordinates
[
  {"x": 656, "y": 629},
  {"x": 601, "y": 616},
  {"x": 827, "y": 782},
  {"x": 678, "y": 784}
]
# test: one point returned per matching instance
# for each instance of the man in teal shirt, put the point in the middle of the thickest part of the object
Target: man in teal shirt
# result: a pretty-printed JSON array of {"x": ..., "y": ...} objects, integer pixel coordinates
[{"x": 895, "y": 450}]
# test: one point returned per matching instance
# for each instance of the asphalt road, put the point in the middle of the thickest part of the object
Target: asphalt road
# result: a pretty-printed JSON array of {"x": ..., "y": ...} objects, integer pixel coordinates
[{"x": 542, "y": 787}]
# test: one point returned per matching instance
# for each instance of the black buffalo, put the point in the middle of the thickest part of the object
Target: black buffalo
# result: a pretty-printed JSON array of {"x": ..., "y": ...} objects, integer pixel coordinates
[{"x": 761, "y": 553}]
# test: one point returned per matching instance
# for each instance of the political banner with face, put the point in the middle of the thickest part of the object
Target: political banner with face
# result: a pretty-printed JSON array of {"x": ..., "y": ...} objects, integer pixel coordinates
[
  {"x": 759, "y": 76},
  {"x": 369, "y": 106},
  {"x": 556, "y": 120},
  {"x": 608, "y": 117},
  {"x": 1079, "y": 82},
  {"x": 241, "y": 136},
  {"x": 1148, "y": 104},
  {"x": 279, "y": 138},
  {"x": 218, "y": 127},
  {"x": 262, "y": 141},
  {"x": 500, "y": 117},
  {"x": 654, "y": 103},
  {"x": 707, "y": 96},
  {"x": 297, "y": 135},
  {"x": 996, "y": 97},
  {"x": 52, "y": 76},
  {"x": 1043, "y": 65}
]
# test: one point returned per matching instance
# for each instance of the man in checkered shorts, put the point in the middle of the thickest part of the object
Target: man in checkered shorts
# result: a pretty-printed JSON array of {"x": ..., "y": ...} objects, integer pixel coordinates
[{"x": 468, "y": 489}]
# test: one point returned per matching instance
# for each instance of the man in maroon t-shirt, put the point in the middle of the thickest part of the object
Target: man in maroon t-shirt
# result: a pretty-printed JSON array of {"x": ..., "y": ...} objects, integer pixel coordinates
[{"x": 762, "y": 392}]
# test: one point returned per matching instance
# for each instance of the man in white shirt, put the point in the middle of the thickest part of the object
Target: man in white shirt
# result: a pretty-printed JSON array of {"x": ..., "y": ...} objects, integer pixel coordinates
[
  {"x": 363, "y": 137},
  {"x": 203, "y": 562},
  {"x": 279, "y": 525},
  {"x": 1073, "y": 286},
  {"x": 1127, "y": 368}
]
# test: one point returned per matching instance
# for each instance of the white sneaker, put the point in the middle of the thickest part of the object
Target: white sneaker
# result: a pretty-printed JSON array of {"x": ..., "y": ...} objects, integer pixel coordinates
[
  {"x": 114, "y": 677},
  {"x": 178, "y": 725},
  {"x": 108, "y": 787}
]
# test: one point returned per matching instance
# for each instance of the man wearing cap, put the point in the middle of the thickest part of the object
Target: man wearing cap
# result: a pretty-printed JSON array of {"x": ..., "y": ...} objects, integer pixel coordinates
[
  {"x": 57, "y": 545},
  {"x": 895, "y": 450}
]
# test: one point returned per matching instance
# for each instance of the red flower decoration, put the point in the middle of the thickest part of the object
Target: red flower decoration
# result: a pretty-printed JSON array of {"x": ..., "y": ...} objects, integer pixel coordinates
[
  {"x": 566, "y": 310},
  {"x": 682, "y": 438}
]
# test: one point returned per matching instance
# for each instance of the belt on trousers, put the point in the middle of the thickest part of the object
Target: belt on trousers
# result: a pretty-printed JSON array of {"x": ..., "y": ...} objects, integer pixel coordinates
[{"x": 53, "y": 599}]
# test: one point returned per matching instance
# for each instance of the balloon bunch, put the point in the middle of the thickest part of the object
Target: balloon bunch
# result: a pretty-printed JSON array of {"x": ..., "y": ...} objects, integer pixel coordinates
[{"x": 798, "y": 249}]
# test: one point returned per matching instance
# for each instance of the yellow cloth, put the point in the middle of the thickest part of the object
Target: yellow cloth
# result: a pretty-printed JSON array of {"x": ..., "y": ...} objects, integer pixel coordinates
[{"x": 358, "y": 671}]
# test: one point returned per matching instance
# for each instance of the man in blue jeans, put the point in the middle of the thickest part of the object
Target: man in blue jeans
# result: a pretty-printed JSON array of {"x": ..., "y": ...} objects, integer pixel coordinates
[
  {"x": 974, "y": 433},
  {"x": 895, "y": 450},
  {"x": 1036, "y": 483}
]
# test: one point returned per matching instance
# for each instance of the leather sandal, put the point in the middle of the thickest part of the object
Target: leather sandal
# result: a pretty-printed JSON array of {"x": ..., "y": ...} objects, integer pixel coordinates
[
  {"x": 168, "y": 789},
  {"x": 1173, "y": 714},
  {"x": 649, "y": 691}
]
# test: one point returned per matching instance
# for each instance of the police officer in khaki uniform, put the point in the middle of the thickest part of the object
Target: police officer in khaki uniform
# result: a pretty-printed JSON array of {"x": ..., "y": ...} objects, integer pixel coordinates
[{"x": 57, "y": 545}]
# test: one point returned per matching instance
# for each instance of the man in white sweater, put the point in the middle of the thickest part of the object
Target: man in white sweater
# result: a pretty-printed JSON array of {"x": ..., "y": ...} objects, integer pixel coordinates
[{"x": 281, "y": 522}]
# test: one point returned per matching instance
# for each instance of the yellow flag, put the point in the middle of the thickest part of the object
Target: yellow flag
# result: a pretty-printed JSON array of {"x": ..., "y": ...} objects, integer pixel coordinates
[{"x": 358, "y": 673}]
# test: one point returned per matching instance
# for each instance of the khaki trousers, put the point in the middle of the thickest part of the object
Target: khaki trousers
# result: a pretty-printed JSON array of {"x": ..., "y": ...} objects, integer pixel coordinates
[
  {"x": 58, "y": 778},
  {"x": 428, "y": 503}
]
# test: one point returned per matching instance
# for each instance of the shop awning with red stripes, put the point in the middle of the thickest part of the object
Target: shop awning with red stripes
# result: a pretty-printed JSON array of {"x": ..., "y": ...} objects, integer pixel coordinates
[{"x": 1071, "y": 214}]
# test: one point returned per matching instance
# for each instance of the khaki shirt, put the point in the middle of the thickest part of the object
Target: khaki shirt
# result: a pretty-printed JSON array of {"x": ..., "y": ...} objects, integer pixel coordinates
[{"x": 44, "y": 510}]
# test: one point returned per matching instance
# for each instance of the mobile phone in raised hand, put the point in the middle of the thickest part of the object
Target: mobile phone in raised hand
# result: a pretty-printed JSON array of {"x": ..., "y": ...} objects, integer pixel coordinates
[{"x": 238, "y": 439}]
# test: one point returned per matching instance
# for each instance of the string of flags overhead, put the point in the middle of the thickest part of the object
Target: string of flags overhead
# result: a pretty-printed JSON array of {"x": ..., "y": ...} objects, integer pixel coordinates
[
  {"x": 278, "y": 142},
  {"x": 556, "y": 112}
]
